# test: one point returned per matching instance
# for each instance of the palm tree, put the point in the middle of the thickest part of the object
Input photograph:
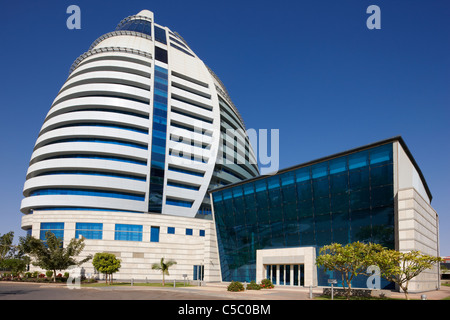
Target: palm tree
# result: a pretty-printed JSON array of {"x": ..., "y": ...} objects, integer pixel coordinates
[{"x": 164, "y": 267}]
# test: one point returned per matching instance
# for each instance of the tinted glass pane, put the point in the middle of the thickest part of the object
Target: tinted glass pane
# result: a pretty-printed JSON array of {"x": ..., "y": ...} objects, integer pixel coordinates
[
  {"x": 339, "y": 183},
  {"x": 321, "y": 187},
  {"x": 338, "y": 165},
  {"x": 302, "y": 174},
  {"x": 358, "y": 160},
  {"x": 161, "y": 54},
  {"x": 160, "y": 35},
  {"x": 359, "y": 178},
  {"x": 381, "y": 175},
  {"x": 304, "y": 190},
  {"x": 381, "y": 155},
  {"x": 319, "y": 170}
]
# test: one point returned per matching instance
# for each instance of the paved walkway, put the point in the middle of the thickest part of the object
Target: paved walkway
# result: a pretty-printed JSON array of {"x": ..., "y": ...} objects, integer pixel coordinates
[{"x": 35, "y": 291}]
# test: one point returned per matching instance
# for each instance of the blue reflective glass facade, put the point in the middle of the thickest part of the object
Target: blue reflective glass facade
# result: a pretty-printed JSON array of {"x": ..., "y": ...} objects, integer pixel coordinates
[
  {"x": 89, "y": 230},
  {"x": 137, "y": 25},
  {"x": 57, "y": 228},
  {"x": 159, "y": 134},
  {"x": 128, "y": 232},
  {"x": 344, "y": 199}
]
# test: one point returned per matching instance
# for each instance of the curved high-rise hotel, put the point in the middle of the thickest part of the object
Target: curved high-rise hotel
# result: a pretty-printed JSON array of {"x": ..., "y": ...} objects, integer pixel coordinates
[{"x": 138, "y": 133}]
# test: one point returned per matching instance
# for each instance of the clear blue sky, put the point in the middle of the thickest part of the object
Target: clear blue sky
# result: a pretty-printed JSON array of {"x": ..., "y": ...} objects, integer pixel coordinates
[{"x": 311, "y": 69}]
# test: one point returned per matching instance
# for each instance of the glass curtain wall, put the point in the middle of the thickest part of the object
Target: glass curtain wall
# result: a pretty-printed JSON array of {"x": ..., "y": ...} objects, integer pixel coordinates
[
  {"x": 159, "y": 134},
  {"x": 345, "y": 199}
]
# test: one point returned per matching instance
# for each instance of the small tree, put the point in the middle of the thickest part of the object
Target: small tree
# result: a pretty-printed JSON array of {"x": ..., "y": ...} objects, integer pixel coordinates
[
  {"x": 106, "y": 263},
  {"x": 401, "y": 267},
  {"x": 52, "y": 255},
  {"x": 6, "y": 246},
  {"x": 163, "y": 267},
  {"x": 350, "y": 260}
]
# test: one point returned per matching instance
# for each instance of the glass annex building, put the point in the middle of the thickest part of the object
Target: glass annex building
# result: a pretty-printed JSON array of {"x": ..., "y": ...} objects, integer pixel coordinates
[{"x": 348, "y": 197}]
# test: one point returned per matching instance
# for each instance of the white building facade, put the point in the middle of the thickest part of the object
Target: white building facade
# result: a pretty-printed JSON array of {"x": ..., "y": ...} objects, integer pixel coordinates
[{"x": 131, "y": 144}]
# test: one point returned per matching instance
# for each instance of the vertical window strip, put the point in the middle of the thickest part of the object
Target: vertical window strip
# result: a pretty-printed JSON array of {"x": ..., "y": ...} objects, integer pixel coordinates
[{"x": 159, "y": 130}]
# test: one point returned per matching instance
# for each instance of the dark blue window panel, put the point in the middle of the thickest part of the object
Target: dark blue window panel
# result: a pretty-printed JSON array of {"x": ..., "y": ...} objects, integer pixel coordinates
[
  {"x": 137, "y": 25},
  {"x": 157, "y": 164},
  {"x": 338, "y": 165},
  {"x": 160, "y": 35},
  {"x": 181, "y": 49},
  {"x": 158, "y": 142},
  {"x": 381, "y": 155},
  {"x": 182, "y": 185},
  {"x": 159, "y": 127},
  {"x": 160, "y": 113},
  {"x": 104, "y": 125},
  {"x": 161, "y": 86},
  {"x": 303, "y": 174},
  {"x": 178, "y": 42},
  {"x": 93, "y": 173},
  {"x": 358, "y": 160},
  {"x": 158, "y": 150},
  {"x": 161, "y": 54},
  {"x": 81, "y": 192},
  {"x": 179, "y": 203},
  {"x": 160, "y": 105},
  {"x": 186, "y": 171},
  {"x": 202, "y": 233},
  {"x": 319, "y": 170},
  {"x": 83, "y": 209},
  {"x": 81, "y": 156},
  {"x": 128, "y": 144},
  {"x": 189, "y": 232},
  {"x": 159, "y": 157},
  {"x": 170, "y": 230}
]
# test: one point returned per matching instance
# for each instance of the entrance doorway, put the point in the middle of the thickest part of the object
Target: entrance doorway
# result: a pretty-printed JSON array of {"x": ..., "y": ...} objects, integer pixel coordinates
[{"x": 286, "y": 274}]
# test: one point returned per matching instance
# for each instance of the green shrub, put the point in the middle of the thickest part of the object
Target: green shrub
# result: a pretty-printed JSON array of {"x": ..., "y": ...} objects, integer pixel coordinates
[
  {"x": 235, "y": 286},
  {"x": 253, "y": 286},
  {"x": 49, "y": 274},
  {"x": 267, "y": 284}
]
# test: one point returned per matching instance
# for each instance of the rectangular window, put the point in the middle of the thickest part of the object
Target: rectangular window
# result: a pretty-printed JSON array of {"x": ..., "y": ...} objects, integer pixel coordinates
[
  {"x": 154, "y": 234},
  {"x": 179, "y": 203},
  {"x": 170, "y": 230},
  {"x": 161, "y": 54},
  {"x": 57, "y": 228},
  {"x": 160, "y": 35},
  {"x": 128, "y": 232},
  {"x": 189, "y": 232},
  {"x": 92, "y": 231},
  {"x": 202, "y": 233}
]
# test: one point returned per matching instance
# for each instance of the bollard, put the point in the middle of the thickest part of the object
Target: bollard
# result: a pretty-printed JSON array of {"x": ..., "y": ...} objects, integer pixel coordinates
[
  {"x": 132, "y": 281},
  {"x": 332, "y": 292},
  {"x": 424, "y": 297},
  {"x": 310, "y": 292}
]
